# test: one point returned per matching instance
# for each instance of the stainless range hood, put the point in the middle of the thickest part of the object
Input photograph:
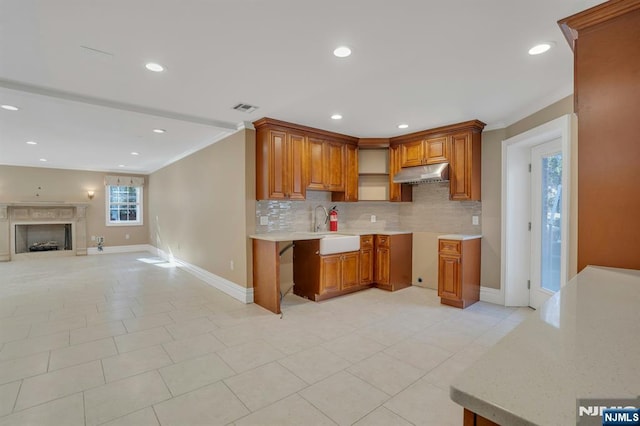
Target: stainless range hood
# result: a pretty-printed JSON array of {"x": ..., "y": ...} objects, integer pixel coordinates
[{"x": 423, "y": 174}]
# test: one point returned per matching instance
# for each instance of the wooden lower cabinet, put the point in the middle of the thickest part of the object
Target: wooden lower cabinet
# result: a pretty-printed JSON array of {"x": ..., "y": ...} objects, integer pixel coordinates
[
  {"x": 459, "y": 272},
  {"x": 366, "y": 259},
  {"x": 322, "y": 277},
  {"x": 472, "y": 419},
  {"x": 393, "y": 257}
]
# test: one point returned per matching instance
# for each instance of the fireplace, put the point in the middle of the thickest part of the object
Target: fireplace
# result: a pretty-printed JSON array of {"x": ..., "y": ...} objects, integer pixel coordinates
[
  {"x": 35, "y": 229},
  {"x": 43, "y": 237}
]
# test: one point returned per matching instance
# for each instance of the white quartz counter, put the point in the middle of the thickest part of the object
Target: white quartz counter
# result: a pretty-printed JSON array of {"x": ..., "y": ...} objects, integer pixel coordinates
[
  {"x": 460, "y": 237},
  {"x": 583, "y": 343},
  {"x": 298, "y": 236}
]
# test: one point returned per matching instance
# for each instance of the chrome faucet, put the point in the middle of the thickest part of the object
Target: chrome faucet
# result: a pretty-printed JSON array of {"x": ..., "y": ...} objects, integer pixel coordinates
[{"x": 316, "y": 225}]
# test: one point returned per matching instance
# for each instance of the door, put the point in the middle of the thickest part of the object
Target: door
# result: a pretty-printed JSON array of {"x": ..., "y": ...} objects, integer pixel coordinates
[{"x": 546, "y": 221}]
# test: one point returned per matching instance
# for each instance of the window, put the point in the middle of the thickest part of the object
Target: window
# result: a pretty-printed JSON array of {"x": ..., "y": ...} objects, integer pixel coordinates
[{"x": 124, "y": 205}]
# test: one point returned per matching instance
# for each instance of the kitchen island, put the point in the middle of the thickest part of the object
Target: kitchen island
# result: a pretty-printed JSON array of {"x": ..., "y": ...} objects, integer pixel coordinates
[{"x": 584, "y": 343}]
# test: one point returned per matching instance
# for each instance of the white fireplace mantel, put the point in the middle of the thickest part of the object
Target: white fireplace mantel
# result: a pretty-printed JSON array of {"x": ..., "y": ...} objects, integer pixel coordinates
[{"x": 33, "y": 212}]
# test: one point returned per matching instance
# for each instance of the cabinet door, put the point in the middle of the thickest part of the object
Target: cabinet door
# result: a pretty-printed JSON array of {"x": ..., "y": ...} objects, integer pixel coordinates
[
  {"x": 382, "y": 265},
  {"x": 449, "y": 286},
  {"x": 436, "y": 150},
  {"x": 366, "y": 266},
  {"x": 334, "y": 166},
  {"x": 412, "y": 154},
  {"x": 397, "y": 192},
  {"x": 350, "y": 270},
  {"x": 277, "y": 165},
  {"x": 351, "y": 173},
  {"x": 460, "y": 167},
  {"x": 330, "y": 273},
  {"x": 297, "y": 167},
  {"x": 316, "y": 163}
]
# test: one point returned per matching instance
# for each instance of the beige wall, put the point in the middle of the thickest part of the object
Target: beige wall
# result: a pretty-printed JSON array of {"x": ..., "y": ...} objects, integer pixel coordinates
[
  {"x": 492, "y": 188},
  {"x": 201, "y": 208},
  {"x": 22, "y": 183}
]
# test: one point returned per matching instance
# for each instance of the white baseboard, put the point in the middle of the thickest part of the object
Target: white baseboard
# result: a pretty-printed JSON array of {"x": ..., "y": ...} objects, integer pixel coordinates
[
  {"x": 121, "y": 249},
  {"x": 234, "y": 290},
  {"x": 492, "y": 295}
]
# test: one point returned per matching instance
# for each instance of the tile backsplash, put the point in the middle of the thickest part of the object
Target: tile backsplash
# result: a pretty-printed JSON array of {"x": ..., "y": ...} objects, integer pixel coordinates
[{"x": 430, "y": 211}]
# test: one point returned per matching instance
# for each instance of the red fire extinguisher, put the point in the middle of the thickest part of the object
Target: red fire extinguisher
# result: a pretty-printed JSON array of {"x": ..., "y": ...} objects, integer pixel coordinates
[{"x": 333, "y": 219}]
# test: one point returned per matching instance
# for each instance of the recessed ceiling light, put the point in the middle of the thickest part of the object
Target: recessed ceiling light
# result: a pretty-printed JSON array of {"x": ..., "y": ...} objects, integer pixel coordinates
[
  {"x": 342, "y": 52},
  {"x": 336, "y": 117},
  {"x": 9, "y": 107},
  {"x": 32, "y": 143},
  {"x": 44, "y": 160},
  {"x": 152, "y": 66},
  {"x": 159, "y": 131},
  {"x": 541, "y": 48},
  {"x": 121, "y": 165},
  {"x": 402, "y": 126},
  {"x": 135, "y": 153}
]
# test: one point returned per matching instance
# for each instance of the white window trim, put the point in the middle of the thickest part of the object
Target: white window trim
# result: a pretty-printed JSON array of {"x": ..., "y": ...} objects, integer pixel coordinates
[{"x": 107, "y": 202}]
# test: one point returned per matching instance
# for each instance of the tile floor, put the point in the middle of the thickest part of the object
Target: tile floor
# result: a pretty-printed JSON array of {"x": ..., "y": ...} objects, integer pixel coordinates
[{"x": 126, "y": 339}]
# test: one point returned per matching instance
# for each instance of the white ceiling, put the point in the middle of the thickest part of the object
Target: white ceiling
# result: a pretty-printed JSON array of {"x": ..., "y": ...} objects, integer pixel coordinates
[{"x": 424, "y": 63}]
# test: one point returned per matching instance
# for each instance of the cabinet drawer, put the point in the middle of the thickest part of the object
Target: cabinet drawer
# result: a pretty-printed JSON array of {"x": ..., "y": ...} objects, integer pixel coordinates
[
  {"x": 449, "y": 246},
  {"x": 382, "y": 240},
  {"x": 366, "y": 241}
]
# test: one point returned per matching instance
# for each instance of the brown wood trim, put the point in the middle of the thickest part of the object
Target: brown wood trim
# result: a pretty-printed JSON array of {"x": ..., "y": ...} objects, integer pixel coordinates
[
  {"x": 473, "y": 125},
  {"x": 272, "y": 122},
  {"x": 372, "y": 143},
  {"x": 266, "y": 275},
  {"x": 573, "y": 24}
]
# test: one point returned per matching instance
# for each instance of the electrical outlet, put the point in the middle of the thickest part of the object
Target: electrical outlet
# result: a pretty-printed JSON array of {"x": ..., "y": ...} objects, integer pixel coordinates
[
  {"x": 126, "y": 236},
  {"x": 264, "y": 220},
  {"x": 231, "y": 265},
  {"x": 475, "y": 220},
  {"x": 93, "y": 238},
  {"x": 373, "y": 218}
]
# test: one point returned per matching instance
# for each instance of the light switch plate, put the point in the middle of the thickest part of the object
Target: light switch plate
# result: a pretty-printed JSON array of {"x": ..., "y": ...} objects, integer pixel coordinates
[
  {"x": 373, "y": 218},
  {"x": 475, "y": 220},
  {"x": 264, "y": 220}
]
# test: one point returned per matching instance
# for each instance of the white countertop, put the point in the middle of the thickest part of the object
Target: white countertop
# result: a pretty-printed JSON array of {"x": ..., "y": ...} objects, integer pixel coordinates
[
  {"x": 298, "y": 236},
  {"x": 584, "y": 343},
  {"x": 460, "y": 237}
]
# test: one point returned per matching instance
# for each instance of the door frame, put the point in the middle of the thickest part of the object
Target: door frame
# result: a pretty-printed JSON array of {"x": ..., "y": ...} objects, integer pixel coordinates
[{"x": 516, "y": 206}]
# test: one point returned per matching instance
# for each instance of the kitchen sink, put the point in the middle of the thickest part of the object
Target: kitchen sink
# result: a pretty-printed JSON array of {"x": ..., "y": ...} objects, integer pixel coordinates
[{"x": 339, "y": 243}]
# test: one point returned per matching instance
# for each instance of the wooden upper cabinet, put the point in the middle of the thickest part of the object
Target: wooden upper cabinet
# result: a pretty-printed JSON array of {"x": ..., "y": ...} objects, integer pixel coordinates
[
  {"x": 424, "y": 151},
  {"x": 280, "y": 165},
  {"x": 436, "y": 150},
  {"x": 316, "y": 164},
  {"x": 350, "y": 176},
  {"x": 397, "y": 192},
  {"x": 464, "y": 167},
  {"x": 412, "y": 154},
  {"x": 326, "y": 165}
]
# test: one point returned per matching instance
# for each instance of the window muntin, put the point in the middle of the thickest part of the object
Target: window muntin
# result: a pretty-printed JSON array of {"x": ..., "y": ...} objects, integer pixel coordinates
[{"x": 124, "y": 205}]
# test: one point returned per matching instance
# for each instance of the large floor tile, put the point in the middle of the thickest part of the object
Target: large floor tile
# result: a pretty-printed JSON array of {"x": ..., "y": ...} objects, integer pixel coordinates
[
  {"x": 125, "y": 396},
  {"x": 443, "y": 375},
  {"x": 386, "y": 373},
  {"x": 79, "y": 354},
  {"x": 134, "y": 362},
  {"x": 264, "y": 385},
  {"x": 67, "y": 381},
  {"x": 144, "y": 323},
  {"x": 26, "y": 347},
  {"x": 146, "y": 417},
  {"x": 353, "y": 347},
  {"x": 8, "y": 395},
  {"x": 291, "y": 411},
  {"x": 57, "y": 326},
  {"x": 9, "y": 332},
  {"x": 109, "y": 315},
  {"x": 192, "y": 347},
  {"x": 198, "y": 407},
  {"x": 97, "y": 332},
  {"x": 142, "y": 339},
  {"x": 65, "y": 411},
  {"x": 324, "y": 364},
  {"x": 20, "y": 368},
  {"x": 382, "y": 417},
  {"x": 195, "y": 373},
  {"x": 421, "y": 355},
  {"x": 344, "y": 398},
  {"x": 425, "y": 404},
  {"x": 250, "y": 355},
  {"x": 190, "y": 328}
]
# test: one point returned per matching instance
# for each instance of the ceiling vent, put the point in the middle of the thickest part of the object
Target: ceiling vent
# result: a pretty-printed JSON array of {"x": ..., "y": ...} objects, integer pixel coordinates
[{"x": 245, "y": 108}]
